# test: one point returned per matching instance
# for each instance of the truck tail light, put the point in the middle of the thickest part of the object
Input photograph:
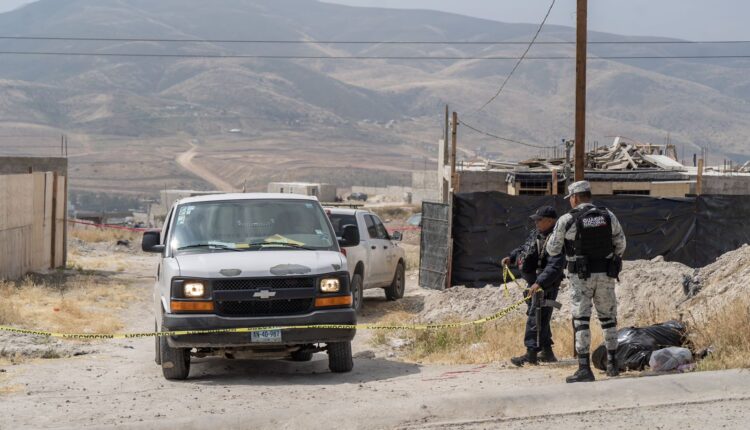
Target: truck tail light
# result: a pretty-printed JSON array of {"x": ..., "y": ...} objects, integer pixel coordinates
[{"x": 343, "y": 251}]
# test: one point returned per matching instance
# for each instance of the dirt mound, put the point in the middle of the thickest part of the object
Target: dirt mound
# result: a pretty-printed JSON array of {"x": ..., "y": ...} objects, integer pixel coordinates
[
  {"x": 461, "y": 303},
  {"x": 721, "y": 282},
  {"x": 648, "y": 291}
]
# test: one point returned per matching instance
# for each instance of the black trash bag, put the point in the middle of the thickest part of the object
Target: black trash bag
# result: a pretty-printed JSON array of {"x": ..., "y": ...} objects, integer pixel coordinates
[{"x": 636, "y": 344}]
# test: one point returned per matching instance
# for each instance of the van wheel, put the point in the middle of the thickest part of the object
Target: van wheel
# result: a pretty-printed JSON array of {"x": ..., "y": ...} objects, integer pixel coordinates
[
  {"x": 358, "y": 293},
  {"x": 157, "y": 339},
  {"x": 175, "y": 362},
  {"x": 302, "y": 355},
  {"x": 340, "y": 357},
  {"x": 396, "y": 290}
]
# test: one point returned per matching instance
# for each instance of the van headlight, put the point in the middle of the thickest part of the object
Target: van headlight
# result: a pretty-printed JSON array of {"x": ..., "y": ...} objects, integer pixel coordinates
[
  {"x": 193, "y": 289},
  {"x": 330, "y": 285}
]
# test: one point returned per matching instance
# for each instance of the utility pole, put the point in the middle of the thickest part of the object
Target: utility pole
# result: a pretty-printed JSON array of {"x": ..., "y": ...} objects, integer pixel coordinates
[
  {"x": 581, "y": 32},
  {"x": 454, "y": 135}
]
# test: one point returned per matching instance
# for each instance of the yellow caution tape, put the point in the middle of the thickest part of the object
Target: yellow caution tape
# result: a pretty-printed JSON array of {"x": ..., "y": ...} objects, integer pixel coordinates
[{"x": 81, "y": 336}]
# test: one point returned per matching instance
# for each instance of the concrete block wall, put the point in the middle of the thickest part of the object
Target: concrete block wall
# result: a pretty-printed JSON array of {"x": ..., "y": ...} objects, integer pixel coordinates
[{"x": 32, "y": 223}]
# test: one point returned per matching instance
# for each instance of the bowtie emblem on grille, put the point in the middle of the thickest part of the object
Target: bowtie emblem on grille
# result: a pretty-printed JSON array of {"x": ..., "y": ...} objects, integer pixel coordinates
[{"x": 265, "y": 294}]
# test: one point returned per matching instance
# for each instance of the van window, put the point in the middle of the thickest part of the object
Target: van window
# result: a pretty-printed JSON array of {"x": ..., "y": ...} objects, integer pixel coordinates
[{"x": 250, "y": 225}]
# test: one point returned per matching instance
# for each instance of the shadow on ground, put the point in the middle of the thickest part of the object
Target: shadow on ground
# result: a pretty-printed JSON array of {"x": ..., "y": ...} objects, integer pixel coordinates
[{"x": 218, "y": 371}]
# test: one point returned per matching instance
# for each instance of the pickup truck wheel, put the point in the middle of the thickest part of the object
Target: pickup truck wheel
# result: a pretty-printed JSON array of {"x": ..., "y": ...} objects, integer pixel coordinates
[
  {"x": 157, "y": 338},
  {"x": 396, "y": 290},
  {"x": 340, "y": 357},
  {"x": 302, "y": 355},
  {"x": 175, "y": 362},
  {"x": 357, "y": 292}
]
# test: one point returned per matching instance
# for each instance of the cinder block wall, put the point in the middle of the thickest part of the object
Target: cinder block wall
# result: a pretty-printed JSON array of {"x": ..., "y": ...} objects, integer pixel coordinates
[{"x": 32, "y": 223}]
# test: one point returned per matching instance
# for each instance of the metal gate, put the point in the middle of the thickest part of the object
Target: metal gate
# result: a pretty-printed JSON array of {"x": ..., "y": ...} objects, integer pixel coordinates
[{"x": 435, "y": 245}]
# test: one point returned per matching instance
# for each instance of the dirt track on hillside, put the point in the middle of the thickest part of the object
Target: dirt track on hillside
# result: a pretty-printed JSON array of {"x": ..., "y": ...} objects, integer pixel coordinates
[
  {"x": 185, "y": 160},
  {"x": 120, "y": 386}
]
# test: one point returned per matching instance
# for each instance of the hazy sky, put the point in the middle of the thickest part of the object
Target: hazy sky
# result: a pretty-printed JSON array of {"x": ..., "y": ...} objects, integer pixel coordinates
[{"x": 687, "y": 19}]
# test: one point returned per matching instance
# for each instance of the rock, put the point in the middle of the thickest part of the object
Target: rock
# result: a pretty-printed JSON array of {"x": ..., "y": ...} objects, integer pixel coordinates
[{"x": 366, "y": 355}]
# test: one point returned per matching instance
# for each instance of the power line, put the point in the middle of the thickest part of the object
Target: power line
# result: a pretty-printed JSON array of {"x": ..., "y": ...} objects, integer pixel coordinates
[
  {"x": 360, "y": 57},
  {"x": 494, "y": 136},
  {"x": 518, "y": 63},
  {"x": 373, "y": 42}
]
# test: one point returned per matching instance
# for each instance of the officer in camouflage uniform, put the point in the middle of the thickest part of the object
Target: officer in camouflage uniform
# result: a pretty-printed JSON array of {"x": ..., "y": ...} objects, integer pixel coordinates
[{"x": 593, "y": 242}]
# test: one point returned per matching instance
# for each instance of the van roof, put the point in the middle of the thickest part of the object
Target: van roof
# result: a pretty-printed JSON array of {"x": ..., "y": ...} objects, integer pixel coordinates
[{"x": 246, "y": 196}]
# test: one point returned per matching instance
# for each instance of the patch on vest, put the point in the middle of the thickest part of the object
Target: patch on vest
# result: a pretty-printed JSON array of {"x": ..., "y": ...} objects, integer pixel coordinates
[{"x": 593, "y": 222}]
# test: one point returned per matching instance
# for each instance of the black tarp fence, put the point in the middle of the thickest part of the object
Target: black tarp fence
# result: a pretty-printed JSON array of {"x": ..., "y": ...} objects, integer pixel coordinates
[{"x": 691, "y": 230}]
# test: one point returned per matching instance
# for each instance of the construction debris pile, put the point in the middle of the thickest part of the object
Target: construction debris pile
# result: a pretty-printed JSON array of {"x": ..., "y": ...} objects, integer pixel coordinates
[{"x": 630, "y": 155}]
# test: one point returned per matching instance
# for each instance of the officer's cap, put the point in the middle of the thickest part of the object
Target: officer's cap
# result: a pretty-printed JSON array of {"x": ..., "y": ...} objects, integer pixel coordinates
[
  {"x": 578, "y": 187},
  {"x": 544, "y": 212}
]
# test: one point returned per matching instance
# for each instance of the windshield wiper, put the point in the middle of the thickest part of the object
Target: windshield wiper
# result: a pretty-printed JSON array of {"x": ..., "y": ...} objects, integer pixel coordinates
[
  {"x": 208, "y": 245},
  {"x": 290, "y": 245}
]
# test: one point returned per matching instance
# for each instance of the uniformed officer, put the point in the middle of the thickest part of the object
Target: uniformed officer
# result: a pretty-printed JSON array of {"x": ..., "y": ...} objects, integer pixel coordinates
[
  {"x": 593, "y": 242},
  {"x": 540, "y": 271}
]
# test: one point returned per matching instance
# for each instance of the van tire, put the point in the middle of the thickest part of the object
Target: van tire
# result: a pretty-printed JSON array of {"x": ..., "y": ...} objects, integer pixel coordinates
[
  {"x": 157, "y": 339},
  {"x": 175, "y": 362},
  {"x": 302, "y": 355},
  {"x": 358, "y": 293},
  {"x": 340, "y": 357},
  {"x": 396, "y": 290}
]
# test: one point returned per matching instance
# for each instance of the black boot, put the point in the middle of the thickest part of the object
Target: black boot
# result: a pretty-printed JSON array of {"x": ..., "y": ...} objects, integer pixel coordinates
[
  {"x": 584, "y": 373},
  {"x": 547, "y": 355},
  {"x": 612, "y": 368},
  {"x": 529, "y": 357}
]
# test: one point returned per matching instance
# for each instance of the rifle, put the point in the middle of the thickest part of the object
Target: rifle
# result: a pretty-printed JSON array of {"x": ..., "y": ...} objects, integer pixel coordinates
[{"x": 538, "y": 302}]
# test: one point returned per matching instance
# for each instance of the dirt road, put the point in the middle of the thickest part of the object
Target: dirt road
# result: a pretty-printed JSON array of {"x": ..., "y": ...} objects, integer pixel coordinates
[
  {"x": 121, "y": 387},
  {"x": 185, "y": 160}
]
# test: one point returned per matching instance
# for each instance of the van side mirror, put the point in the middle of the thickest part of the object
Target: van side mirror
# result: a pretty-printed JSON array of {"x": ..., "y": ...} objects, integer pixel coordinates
[
  {"x": 397, "y": 236},
  {"x": 350, "y": 236},
  {"x": 152, "y": 241}
]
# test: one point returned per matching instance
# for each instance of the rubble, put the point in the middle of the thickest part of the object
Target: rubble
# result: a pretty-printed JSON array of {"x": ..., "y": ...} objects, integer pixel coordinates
[{"x": 631, "y": 155}]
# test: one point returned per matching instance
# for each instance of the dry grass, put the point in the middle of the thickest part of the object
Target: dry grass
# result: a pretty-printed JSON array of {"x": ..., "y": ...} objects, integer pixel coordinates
[
  {"x": 479, "y": 344},
  {"x": 395, "y": 213},
  {"x": 94, "y": 234},
  {"x": 84, "y": 304},
  {"x": 726, "y": 333},
  {"x": 86, "y": 262},
  {"x": 411, "y": 255}
]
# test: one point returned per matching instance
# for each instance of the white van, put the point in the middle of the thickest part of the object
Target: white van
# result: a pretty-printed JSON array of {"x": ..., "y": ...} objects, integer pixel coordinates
[{"x": 250, "y": 260}]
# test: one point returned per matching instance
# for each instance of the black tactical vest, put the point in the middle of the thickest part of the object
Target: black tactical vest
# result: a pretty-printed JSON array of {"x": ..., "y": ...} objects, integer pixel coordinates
[{"x": 593, "y": 234}]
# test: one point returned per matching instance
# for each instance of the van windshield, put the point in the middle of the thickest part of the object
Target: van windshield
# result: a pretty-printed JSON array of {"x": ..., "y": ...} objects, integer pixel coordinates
[{"x": 250, "y": 225}]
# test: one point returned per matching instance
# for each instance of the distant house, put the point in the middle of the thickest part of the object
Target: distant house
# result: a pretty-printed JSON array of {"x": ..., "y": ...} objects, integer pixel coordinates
[{"x": 324, "y": 192}]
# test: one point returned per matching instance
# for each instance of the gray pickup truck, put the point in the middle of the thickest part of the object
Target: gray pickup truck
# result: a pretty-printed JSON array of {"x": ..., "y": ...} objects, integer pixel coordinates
[{"x": 250, "y": 260}]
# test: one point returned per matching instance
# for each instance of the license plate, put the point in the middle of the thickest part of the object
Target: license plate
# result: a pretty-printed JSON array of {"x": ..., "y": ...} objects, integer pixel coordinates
[{"x": 266, "y": 336}]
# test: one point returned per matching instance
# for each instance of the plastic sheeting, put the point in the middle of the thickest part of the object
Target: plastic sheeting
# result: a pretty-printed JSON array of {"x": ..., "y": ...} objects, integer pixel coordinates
[
  {"x": 693, "y": 231},
  {"x": 635, "y": 345}
]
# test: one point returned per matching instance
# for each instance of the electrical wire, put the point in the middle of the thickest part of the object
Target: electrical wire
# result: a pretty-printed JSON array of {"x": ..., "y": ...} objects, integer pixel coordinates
[
  {"x": 373, "y": 57},
  {"x": 494, "y": 136},
  {"x": 518, "y": 63},
  {"x": 372, "y": 42}
]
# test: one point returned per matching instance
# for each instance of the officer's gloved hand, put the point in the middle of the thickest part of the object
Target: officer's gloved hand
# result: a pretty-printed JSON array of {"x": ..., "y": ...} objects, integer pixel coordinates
[{"x": 505, "y": 261}]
